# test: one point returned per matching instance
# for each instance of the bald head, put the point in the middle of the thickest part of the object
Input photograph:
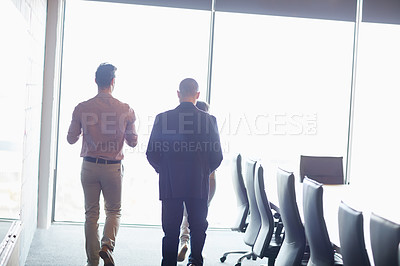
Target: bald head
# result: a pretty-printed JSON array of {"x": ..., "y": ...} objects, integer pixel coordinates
[{"x": 188, "y": 90}]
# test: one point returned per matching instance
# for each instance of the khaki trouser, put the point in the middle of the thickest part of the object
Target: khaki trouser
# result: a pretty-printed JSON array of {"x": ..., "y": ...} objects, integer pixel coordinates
[{"x": 105, "y": 178}]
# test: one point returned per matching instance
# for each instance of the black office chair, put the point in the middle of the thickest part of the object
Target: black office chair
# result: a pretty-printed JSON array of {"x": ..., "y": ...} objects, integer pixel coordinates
[
  {"x": 325, "y": 170},
  {"x": 385, "y": 239},
  {"x": 267, "y": 243},
  {"x": 254, "y": 221},
  {"x": 294, "y": 244},
  {"x": 240, "y": 223},
  {"x": 321, "y": 248},
  {"x": 351, "y": 234},
  {"x": 254, "y": 218},
  {"x": 399, "y": 254},
  {"x": 241, "y": 197}
]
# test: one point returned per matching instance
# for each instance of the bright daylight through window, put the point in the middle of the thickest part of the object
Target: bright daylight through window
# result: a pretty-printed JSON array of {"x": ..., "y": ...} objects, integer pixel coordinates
[
  {"x": 154, "y": 49},
  {"x": 280, "y": 87}
]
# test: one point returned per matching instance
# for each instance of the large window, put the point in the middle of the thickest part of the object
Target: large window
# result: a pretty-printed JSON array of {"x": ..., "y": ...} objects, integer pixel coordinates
[
  {"x": 376, "y": 145},
  {"x": 154, "y": 48},
  {"x": 281, "y": 88}
]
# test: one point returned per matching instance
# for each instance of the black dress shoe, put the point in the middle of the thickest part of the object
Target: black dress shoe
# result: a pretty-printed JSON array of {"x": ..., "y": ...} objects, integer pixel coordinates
[{"x": 106, "y": 254}]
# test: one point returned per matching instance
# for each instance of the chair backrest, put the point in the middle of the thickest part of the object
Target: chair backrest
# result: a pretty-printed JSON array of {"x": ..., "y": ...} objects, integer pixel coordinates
[
  {"x": 293, "y": 246},
  {"x": 399, "y": 254},
  {"x": 267, "y": 220},
  {"x": 254, "y": 219},
  {"x": 241, "y": 196},
  {"x": 321, "y": 250},
  {"x": 325, "y": 170},
  {"x": 351, "y": 234},
  {"x": 385, "y": 239}
]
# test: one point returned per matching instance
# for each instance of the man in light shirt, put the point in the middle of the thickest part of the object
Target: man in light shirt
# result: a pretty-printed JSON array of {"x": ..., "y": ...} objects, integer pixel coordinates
[{"x": 105, "y": 124}]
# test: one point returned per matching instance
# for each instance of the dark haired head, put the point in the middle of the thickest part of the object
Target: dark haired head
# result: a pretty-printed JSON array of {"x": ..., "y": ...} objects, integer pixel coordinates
[
  {"x": 203, "y": 106},
  {"x": 104, "y": 75},
  {"x": 188, "y": 87}
]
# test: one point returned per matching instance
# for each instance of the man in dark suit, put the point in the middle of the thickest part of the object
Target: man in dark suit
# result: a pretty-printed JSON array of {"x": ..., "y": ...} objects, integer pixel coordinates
[{"x": 184, "y": 148}]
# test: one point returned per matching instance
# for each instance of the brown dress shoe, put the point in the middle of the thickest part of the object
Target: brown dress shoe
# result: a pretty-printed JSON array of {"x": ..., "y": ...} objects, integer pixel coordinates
[
  {"x": 182, "y": 253},
  {"x": 106, "y": 254}
]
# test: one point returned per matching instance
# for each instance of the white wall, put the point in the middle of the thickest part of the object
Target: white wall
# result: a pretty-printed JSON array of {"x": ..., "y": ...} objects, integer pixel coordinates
[{"x": 34, "y": 13}]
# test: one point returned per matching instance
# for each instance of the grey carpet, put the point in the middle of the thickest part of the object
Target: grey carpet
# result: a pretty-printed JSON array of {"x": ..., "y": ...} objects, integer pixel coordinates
[{"x": 63, "y": 244}]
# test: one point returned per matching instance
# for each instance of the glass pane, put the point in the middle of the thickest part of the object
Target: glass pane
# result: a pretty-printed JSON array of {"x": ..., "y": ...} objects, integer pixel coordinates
[
  {"x": 376, "y": 130},
  {"x": 280, "y": 88},
  {"x": 154, "y": 48}
]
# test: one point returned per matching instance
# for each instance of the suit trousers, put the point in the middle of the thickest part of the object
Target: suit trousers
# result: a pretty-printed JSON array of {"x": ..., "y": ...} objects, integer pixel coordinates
[
  {"x": 172, "y": 212},
  {"x": 185, "y": 232},
  {"x": 97, "y": 178}
]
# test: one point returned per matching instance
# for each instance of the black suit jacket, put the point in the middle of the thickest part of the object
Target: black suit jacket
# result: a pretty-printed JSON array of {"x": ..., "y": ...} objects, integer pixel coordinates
[{"x": 184, "y": 148}]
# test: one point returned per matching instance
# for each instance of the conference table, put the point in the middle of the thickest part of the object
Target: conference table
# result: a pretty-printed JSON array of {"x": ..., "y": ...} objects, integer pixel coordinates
[{"x": 361, "y": 197}]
